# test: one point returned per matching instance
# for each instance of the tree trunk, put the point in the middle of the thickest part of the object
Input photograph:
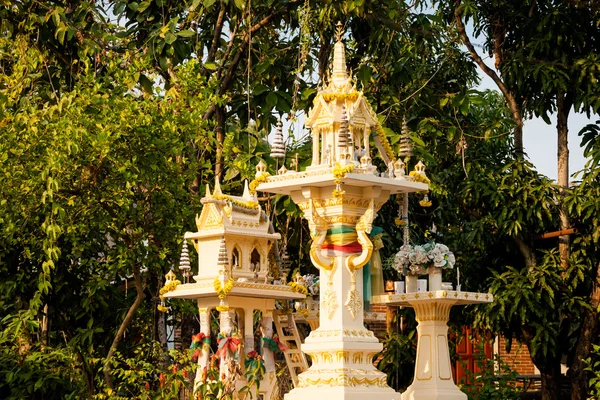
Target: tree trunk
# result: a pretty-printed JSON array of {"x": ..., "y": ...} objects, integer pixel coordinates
[
  {"x": 509, "y": 95},
  {"x": 128, "y": 318},
  {"x": 563, "y": 108},
  {"x": 550, "y": 374},
  {"x": 220, "y": 134},
  {"x": 589, "y": 331}
]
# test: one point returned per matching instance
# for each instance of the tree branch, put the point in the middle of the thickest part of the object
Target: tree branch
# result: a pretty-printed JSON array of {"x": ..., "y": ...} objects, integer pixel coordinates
[
  {"x": 212, "y": 51},
  {"x": 526, "y": 251},
  {"x": 514, "y": 106},
  {"x": 128, "y": 318},
  {"x": 226, "y": 82}
]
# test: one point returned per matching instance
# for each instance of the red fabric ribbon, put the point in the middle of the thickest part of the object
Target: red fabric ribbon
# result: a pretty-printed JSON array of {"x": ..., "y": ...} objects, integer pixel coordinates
[
  {"x": 227, "y": 343},
  {"x": 279, "y": 344}
]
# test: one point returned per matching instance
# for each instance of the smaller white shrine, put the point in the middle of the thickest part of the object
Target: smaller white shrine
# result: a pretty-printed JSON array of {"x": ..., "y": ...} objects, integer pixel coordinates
[
  {"x": 233, "y": 242},
  {"x": 247, "y": 232}
]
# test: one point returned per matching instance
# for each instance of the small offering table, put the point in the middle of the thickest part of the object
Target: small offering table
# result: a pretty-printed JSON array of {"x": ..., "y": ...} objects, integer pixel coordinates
[{"x": 433, "y": 371}]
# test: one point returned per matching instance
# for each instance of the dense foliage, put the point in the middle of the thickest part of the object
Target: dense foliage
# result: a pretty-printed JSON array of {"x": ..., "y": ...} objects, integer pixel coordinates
[{"x": 115, "y": 114}]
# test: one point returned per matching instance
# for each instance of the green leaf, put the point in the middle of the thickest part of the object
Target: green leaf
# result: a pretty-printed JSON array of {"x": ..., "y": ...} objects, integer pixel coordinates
[
  {"x": 170, "y": 38},
  {"x": 186, "y": 33},
  {"x": 271, "y": 100},
  {"x": 240, "y": 4},
  {"x": 206, "y": 3},
  {"x": 146, "y": 84},
  {"x": 211, "y": 66}
]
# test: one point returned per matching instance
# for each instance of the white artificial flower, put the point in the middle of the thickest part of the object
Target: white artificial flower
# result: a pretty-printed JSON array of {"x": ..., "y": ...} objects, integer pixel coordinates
[{"x": 439, "y": 260}]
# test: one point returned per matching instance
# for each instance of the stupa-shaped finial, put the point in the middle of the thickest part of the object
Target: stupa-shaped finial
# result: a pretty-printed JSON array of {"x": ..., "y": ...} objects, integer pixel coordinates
[
  {"x": 343, "y": 132},
  {"x": 170, "y": 277},
  {"x": 223, "y": 259},
  {"x": 184, "y": 261},
  {"x": 278, "y": 148},
  {"x": 339, "y": 74},
  {"x": 261, "y": 168},
  {"x": 207, "y": 194},
  {"x": 405, "y": 142}
]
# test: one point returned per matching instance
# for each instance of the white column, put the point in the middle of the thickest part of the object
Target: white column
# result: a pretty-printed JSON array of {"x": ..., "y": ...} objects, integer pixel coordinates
[
  {"x": 248, "y": 330},
  {"x": 225, "y": 326},
  {"x": 433, "y": 371},
  {"x": 315, "y": 149},
  {"x": 203, "y": 360},
  {"x": 266, "y": 328}
]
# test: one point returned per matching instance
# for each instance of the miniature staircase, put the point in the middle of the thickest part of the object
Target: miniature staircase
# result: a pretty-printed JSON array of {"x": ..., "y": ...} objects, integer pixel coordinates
[{"x": 295, "y": 359}]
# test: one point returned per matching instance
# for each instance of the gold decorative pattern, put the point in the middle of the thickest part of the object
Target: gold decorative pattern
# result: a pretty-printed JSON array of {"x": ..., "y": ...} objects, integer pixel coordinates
[
  {"x": 354, "y": 303},
  {"x": 329, "y": 302},
  {"x": 346, "y": 201},
  {"x": 343, "y": 380},
  {"x": 342, "y": 356},
  {"x": 430, "y": 311},
  {"x": 353, "y": 333},
  {"x": 357, "y": 358}
]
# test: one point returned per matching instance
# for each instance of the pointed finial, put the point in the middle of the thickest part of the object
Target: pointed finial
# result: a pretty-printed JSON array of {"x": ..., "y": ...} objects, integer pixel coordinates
[
  {"x": 246, "y": 194},
  {"x": 217, "y": 186},
  {"x": 207, "y": 194},
  {"x": 339, "y": 75},
  {"x": 339, "y": 31}
]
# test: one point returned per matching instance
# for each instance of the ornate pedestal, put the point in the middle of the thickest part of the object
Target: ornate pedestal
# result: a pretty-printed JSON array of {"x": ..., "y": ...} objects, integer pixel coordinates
[
  {"x": 433, "y": 371},
  {"x": 341, "y": 348}
]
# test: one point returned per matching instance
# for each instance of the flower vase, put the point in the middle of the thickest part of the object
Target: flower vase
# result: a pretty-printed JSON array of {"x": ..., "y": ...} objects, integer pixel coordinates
[
  {"x": 411, "y": 282},
  {"x": 435, "y": 278}
]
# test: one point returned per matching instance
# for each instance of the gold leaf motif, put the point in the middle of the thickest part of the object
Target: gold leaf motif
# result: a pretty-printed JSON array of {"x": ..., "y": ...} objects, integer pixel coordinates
[
  {"x": 329, "y": 303},
  {"x": 354, "y": 303}
]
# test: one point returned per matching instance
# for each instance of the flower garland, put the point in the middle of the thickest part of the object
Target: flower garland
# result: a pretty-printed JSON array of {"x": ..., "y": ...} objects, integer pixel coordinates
[
  {"x": 169, "y": 287},
  {"x": 262, "y": 178},
  {"x": 425, "y": 202},
  {"x": 249, "y": 204},
  {"x": 298, "y": 288},
  {"x": 352, "y": 96},
  {"x": 339, "y": 172},
  {"x": 384, "y": 142},
  {"x": 162, "y": 308},
  {"x": 419, "y": 177},
  {"x": 222, "y": 292}
]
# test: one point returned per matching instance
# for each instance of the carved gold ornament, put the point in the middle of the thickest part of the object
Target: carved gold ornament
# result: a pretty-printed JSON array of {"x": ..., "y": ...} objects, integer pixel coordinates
[
  {"x": 329, "y": 302},
  {"x": 354, "y": 303}
]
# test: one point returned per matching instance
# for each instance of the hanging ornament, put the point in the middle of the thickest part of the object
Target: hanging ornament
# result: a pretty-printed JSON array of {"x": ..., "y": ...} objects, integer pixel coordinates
[
  {"x": 425, "y": 202},
  {"x": 343, "y": 132},
  {"x": 223, "y": 260}
]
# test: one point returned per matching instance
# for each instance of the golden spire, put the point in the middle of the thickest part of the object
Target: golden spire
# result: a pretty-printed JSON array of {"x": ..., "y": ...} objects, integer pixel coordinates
[
  {"x": 339, "y": 31},
  {"x": 339, "y": 74}
]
